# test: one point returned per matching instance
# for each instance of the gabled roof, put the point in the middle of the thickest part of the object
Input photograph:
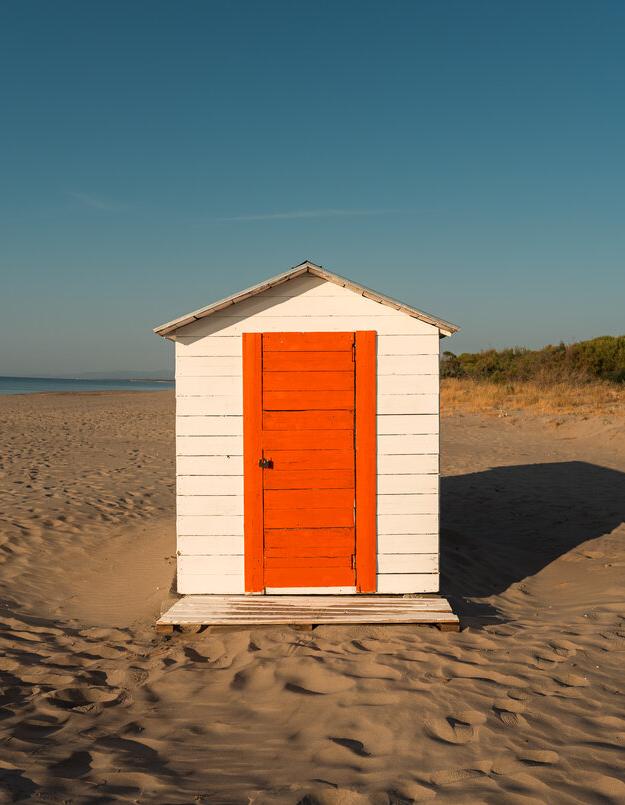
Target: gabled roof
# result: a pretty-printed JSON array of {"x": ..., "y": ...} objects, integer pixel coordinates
[{"x": 445, "y": 327}]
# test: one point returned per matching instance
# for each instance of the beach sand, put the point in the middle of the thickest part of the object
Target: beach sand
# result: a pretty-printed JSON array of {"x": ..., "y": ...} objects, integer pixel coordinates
[{"x": 525, "y": 705}]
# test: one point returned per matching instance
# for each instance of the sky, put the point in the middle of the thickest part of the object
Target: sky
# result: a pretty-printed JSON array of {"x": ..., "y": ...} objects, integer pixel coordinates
[{"x": 466, "y": 158}]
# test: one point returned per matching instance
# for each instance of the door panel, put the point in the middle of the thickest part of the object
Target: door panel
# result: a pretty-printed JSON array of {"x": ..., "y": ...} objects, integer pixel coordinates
[{"x": 300, "y": 416}]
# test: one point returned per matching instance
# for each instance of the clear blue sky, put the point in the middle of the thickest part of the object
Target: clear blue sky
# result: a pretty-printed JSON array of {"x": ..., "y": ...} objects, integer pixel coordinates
[{"x": 465, "y": 157}]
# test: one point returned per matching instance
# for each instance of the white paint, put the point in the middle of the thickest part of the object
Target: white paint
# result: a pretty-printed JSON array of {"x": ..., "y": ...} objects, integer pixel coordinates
[
  {"x": 407, "y": 543},
  {"x": 407, "y": 403},
  {"x": 214, "y": 445},
  {"x": 206, "y": 525},
  {"x": 214, "y": 565},
  {"x": 407, "y": 523},
  {"x": 408, "y": 504},
  {"x": 408, "y": 364},
  {"x": 407, "y": 563},
  {"x": 407, "y": 465},
  {"x": 310, "y": 590},
  {"x": 400, "y": 424},
  {"x": 397, "y": 583},
  {"x": 409, "y": 345},
  {"x": 407, "y": 484},
  {"x": 407, "y": 384},
  {"x": 212, "y": 505},
  {"x": 210, "y": 545},
  {"x": 408, "y": 443},
  {"x": 211, "y": 484},
  {"x": 209, "y": 424},
  {"x": 209, "y": 465}
]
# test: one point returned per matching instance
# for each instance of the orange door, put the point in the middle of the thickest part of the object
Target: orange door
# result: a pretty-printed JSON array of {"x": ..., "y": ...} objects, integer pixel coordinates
[{"x": 309, "y": 435}]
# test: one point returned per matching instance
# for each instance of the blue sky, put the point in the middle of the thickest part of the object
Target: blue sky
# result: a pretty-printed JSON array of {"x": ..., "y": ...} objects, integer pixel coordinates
[{"x": 466, "y": 158}]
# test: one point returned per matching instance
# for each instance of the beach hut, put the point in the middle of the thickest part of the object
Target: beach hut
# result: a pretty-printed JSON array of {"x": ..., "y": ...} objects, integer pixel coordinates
[{"x": 307, "y": 449}]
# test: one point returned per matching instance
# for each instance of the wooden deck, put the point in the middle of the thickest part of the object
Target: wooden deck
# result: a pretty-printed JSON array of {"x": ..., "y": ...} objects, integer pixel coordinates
[{"x": 305, "y": 610}]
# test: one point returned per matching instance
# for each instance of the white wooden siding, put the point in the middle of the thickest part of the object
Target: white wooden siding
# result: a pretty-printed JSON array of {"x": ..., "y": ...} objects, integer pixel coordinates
[{"x": 209, "y": 428}]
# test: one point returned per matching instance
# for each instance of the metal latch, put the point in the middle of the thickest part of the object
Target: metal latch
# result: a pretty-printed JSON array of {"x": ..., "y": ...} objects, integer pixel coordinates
[{"x": 265, "y": 463}]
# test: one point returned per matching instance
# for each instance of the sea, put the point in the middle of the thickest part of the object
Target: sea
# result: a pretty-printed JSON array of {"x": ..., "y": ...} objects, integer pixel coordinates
[{"x": 32, "y": 385}]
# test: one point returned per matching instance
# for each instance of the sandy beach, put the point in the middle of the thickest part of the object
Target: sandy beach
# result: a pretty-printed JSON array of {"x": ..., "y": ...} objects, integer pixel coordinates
[{"x": 525, "y": 705}]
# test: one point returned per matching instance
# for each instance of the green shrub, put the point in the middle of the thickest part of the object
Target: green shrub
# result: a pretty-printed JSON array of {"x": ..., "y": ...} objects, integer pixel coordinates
[{"x": 600, "y": 358}]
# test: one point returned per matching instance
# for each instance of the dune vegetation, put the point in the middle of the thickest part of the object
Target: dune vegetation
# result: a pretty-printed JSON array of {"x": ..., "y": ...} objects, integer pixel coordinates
[{"x": 587, "y": 377}]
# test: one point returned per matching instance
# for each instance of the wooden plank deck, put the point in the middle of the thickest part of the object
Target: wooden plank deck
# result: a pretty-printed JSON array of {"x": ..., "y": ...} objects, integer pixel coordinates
[{"x": 305, "y": 610}]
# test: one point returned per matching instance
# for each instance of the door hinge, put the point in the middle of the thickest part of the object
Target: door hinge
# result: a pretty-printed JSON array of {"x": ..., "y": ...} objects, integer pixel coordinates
[
  {"x": 354, "y": 352},
  {"x": 353, "y": 562}
]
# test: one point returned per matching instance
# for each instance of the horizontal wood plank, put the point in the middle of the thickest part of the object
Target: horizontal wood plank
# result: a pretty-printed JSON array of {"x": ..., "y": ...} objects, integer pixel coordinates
[
  {"x": 308, "y": 498},
  {"x": 309, "y": 518},
  {"x": 225, "y": 325},
  {"x": 209, "y": 465},
  {"x": 217, "y": 564},
  {"x": 407, "y": 543},
  {"x": 419, "y": 444},
  {"x": 402, "y": 583},
  {"x": 209, "y": 504},
  {"x": 284, "y": 538},
  {"x": 407, "y": 484},
  {"x": 208, "y": 366},
  {"x": 407, "y": 524},
  {"x": 209, "y": 445},
  {"x": 408, "y": 504},
  {"x": 312, "y": 561},
  {"x": 307, "y": 440},
  {"x": 305, "y": 401},
  {"x": 400, "y": 424},
  {"x": 308, "y": 577},
  {"x": 340, "y": 607},
  {"x": 308, "y": 381},
  {"x": 209, "y": 425},
  {"x": 207, "y": 525},
  {"x": 408, "y": 365},
  {"x": 303, "y": 550},
  {"x": 209, "y": 347},
  {"x": 407, "y": 403},
  {"x": 214, "y": 544},
  {"x": 223, "y": 405},
  {"x": 211, "y": 583},
  {"x": 222, "y": 386},
  {"x": 309, "y": 479},
  {"x": 415, "y": 344},
  {"x": 209, "y": 485},
  {"x": 321, "y": 361},
  {"x": 413, "y": 464},
  {"x": 407, "y": 384},
  {"x": 308, "y": 420},
  {"x": 312, "y": 460},
  {"x": 408, "y": 563},
  {"x": 306, "y": 342}
]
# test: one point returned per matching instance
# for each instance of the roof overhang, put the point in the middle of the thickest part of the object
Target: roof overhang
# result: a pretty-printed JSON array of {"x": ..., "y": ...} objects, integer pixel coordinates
[{"x": 166, "y": 330}]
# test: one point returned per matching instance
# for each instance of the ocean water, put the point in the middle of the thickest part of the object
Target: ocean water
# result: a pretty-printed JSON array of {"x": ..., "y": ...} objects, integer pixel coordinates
[{"x": 31, "y": 385}]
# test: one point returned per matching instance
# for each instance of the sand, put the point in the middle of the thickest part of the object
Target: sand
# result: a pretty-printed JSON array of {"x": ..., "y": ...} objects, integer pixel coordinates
[{"x": 525, "y": 705}]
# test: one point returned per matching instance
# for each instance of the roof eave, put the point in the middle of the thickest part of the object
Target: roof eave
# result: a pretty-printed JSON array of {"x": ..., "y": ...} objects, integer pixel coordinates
[{"x": 445, "y": 328}]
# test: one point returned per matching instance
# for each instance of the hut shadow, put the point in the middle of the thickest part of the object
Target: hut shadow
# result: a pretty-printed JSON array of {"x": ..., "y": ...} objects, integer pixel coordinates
[{"x": 507, "y": 523}]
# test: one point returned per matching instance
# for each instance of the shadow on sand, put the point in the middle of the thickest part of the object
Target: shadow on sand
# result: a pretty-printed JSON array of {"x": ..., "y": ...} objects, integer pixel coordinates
[{"x": 507, "y": 523}]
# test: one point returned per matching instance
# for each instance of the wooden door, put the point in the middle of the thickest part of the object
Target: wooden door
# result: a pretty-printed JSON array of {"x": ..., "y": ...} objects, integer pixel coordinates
[{"x": 309, "y": 460}]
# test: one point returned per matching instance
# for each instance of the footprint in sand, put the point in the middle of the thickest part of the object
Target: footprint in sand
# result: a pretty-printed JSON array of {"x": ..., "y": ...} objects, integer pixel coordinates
[
  {"x": 459, "y": 729},
  {"x": 254, "y": 678},
  {"x": 84, "y": 698},
  {"x": 572, "y": 680},
  {"x": 306, "y": 675},
  {"x": 539, "y": 757},
  {"x": 449, "y": 776},
  {"x": 509, "y": 711}
]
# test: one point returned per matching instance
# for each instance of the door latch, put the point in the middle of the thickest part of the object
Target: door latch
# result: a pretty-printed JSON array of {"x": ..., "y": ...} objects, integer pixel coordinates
[{"x": 265, "y": 463}]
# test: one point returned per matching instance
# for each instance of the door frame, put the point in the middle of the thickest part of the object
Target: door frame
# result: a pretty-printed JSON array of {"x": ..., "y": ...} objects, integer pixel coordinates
[{"x": 365, "y": 461}]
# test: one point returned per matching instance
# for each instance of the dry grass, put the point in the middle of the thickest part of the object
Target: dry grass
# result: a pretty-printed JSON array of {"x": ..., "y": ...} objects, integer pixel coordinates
[{"x": 500, "y": 399}]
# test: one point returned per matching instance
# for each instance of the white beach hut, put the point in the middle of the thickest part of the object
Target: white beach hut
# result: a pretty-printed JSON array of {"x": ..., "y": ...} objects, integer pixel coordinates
[{"x": 307, "y": 444}]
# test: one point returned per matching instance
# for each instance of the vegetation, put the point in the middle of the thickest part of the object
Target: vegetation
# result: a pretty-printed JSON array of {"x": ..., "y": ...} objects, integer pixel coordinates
[
  {"x": 467, "y": 396},
  {"x": 583, "y": 362}
]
